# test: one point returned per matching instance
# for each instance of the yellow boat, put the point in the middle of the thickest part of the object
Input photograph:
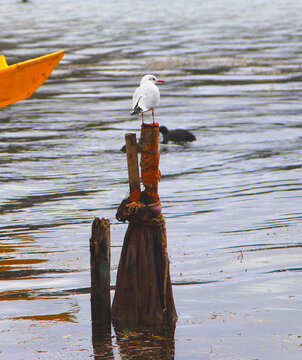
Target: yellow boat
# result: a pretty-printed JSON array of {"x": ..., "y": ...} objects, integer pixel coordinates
[{"x": 21, "y": 80}]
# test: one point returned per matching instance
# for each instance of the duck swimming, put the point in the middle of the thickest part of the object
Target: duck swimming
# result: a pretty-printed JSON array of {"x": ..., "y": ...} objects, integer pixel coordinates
[{"x": 177, "y": 135}]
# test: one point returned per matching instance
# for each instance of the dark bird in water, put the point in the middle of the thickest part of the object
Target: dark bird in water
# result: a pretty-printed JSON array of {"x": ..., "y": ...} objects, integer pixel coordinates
[
  {"x": 177, "y": 135},
  {"x": 138, "y": 148}
]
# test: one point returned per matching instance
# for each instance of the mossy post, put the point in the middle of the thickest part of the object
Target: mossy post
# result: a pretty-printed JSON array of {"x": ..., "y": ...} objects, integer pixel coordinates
[{"x": 100, "y": 273}]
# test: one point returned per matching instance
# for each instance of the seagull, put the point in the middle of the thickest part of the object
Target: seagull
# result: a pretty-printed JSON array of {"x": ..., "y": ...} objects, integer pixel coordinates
[{"x": 146, "y": 96}]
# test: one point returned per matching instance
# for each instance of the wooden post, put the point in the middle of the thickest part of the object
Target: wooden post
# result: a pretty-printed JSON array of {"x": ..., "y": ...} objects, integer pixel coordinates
[
  {"x": 133, "y": 170},
  {"x": 100, "y": 272}
]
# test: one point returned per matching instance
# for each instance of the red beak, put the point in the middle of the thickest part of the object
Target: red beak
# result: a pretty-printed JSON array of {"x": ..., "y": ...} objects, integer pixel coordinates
[{"x": 161, "y": 81}]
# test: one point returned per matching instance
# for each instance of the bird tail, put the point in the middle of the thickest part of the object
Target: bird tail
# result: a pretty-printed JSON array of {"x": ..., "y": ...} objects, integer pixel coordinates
[{"x": 136, "y": 111}]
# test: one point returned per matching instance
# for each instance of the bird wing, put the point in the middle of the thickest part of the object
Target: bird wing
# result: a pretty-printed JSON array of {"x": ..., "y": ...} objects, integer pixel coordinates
[
  {"x": 146, "y": 97},
  {"x": 136, "y": 97}
]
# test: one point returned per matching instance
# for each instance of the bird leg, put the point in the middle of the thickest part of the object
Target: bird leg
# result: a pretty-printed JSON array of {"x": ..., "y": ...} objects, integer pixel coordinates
[
  {"x": 153, "y": 115},
  {"x": 142, "y": 117}
]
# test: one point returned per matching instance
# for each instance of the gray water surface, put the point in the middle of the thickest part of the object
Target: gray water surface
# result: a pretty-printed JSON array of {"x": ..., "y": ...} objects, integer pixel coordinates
[{"x": 232, "y": 199}]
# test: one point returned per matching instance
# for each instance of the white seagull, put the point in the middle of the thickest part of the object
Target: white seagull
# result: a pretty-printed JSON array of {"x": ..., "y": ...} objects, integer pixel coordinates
[{"x": 146, "y": 96}]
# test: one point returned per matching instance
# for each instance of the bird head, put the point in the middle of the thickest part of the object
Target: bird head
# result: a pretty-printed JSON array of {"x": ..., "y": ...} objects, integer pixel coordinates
[{"x": 153, "y": 79}]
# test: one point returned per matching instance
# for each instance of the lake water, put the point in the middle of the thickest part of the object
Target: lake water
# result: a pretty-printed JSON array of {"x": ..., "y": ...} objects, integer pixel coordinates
[{"x": 232, "y": 199}]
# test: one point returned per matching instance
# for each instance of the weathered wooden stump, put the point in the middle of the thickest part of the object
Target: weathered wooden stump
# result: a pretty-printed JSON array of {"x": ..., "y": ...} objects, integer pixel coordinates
[
  {"x": 143, "y": 288},
  {"x": 100, "y": 274}
]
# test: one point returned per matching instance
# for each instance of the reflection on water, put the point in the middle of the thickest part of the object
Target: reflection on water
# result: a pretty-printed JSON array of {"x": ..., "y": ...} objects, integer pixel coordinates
[
  {"x": 146, "y": 345},
  {"x": 231, "y": 199},
  {"x": 49, "y": 317},
  {"x": 149, "y": 342},
  {"x": 102, "y": 344}
]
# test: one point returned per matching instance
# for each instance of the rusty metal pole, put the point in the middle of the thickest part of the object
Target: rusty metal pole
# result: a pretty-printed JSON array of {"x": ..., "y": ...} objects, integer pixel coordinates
[{"x": 150, "y": 160}]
